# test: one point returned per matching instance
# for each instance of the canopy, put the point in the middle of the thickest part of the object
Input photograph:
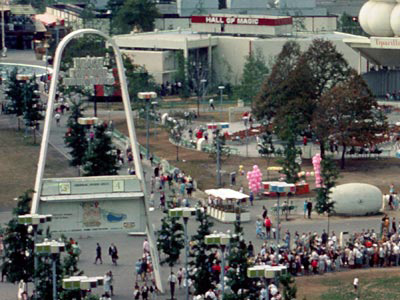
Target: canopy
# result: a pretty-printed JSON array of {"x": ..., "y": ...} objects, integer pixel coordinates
[
  {"x": 274, "y": 169},
  {"x": 46, "y": 19},
  {"x": 225, "y": 194}
]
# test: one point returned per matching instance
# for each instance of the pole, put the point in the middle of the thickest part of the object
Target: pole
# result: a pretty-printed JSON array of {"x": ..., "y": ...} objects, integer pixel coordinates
[
  {"x": 185, "y": 221},
  {"x": 54, "y": 277},
  {"x": 3, "y": 32},
  {"x": 218, "y": 160},
  {"x": 220, "y": 103},
  {"x": 247, "y": 141},
  {"x": 223, "y": 270},
  {"x": 147, "y": 129},
  {"x": 278, "y": 225},
  {"x": 35, "y": 262}
]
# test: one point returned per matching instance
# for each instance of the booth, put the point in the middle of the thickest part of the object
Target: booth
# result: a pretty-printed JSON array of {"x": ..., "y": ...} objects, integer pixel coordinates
[
  {"x": 225, "y": 204},
  {"x": 283, "y": 188}
]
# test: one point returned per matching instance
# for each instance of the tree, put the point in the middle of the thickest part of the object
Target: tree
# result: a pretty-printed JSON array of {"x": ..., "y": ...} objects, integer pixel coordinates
[
  {"x": 350, "y": 24},
  {"x": 198, "y": 75},
  {"x": 136, "y": 13},
  {"x": 289, "y": 162},
  {"x": 175, "y": 131},
  {"x": 32, "y": 107},
  {"x": 238, "y": 281},
  {"x": 255, "y": 70},
  {"x": 289, "y": 287},
  {"x": 75, "y": 137},
  {"x": 266, "y": 147},
  {"x": 14, "y": 93},
  {"x": 266, "y": 103},
  {"x": 202, "y": 258},
  {"x": 100, "y": 158},
  {"x": 329, "y": 175},
  {"x": 180, "y": 75},
  {"x": 17, "y": 263},
  {"x": 170, "y": 239},
  {"x": 139, "y": 80},
  {"x": 349, "y": 114}
]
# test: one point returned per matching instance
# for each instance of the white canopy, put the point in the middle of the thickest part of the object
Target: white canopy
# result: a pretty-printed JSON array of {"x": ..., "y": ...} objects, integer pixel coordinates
[{"x": 225, "y": 194}]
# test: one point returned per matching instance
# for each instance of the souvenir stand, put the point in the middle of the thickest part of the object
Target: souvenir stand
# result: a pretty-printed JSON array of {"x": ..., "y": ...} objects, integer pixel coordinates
[{"x": 223, "y": 205}]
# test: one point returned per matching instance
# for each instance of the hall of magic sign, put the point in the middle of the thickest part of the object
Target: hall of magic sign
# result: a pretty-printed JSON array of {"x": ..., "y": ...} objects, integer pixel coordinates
[{"x": 88, "y": 71}]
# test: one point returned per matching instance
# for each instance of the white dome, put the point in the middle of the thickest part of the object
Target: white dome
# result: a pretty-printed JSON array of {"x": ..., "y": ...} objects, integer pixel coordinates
[
  {"x": 395, "y": 20},
  {"x": 356, "y": 199},
  {"x": 387, "y": 1},
  {"x": 379, "y": 19},
  {"x": 364, "y": 14}
]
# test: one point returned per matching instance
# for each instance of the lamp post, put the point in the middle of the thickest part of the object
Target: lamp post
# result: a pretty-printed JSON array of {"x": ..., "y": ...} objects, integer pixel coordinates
[
  {"x": 245, "y": 121},
  {"x": 221, "y": 239},
  {"x": 147, "y": 96},
  {"x": 203, "y": 90},
  {"x": 46, "y": 46},
  {"x": 34, "y": 220},
  {"x": 154, "y": 104},
  {"x": 221, "y": 90},
  {"x": 267, "y": 273},
  {"x": 3, "y": 31},
  {"x": 185, "y": 213},
  {"x": 52, "y": 248}
]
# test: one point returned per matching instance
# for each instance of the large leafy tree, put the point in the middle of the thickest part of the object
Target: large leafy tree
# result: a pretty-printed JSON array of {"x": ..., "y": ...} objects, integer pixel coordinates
[
  {"x": 254, "y": 72},
  {"x": 202, "y": 258},
  {"x": 329, "y": 175},
  {"x": 266, "y": 103},
  {"x": 14, "y": 93},
  {"x": 18, "y": 242},
  {"x": 136, "y": 13},
  {"x": 100, "y": 157},
  {"x": 349, "y": 114},
  {"x": 32, "y": 107},
  {"x": 75, "y": 137}
]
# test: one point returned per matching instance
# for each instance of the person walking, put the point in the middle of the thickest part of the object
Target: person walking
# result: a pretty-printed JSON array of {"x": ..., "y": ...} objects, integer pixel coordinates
[
  {"x": 111, "y": 282},
  {"x": 172, "y": 282},
  {"x": 113, "y": 252},
  {"x": 98, "y": 254},
  {"x": 146, "y": 246},
  {"x": 267, "y": 223},
  {"x": 309, "y": 209},
  {"x": 305, "y": 204},
  {"x": 145, "y": 292}
]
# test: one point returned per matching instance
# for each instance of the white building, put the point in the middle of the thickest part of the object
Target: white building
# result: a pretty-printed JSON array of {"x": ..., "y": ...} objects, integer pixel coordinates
[{"x": 225, "y": 40}]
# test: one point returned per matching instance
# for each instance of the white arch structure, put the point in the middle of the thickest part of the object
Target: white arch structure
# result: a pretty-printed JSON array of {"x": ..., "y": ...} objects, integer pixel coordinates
[{"x": 131, "y": 131}]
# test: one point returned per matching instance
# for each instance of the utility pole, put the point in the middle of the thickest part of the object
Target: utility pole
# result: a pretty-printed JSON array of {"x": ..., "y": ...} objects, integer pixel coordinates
[{"x": 3, "y": 31}]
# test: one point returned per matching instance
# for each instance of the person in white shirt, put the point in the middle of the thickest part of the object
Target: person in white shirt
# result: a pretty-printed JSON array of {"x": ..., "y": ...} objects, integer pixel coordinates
[
  {"x": 355, "y": 284},
  {"x": 210, "y": 295},
  {"x": 172, "y": 279}
]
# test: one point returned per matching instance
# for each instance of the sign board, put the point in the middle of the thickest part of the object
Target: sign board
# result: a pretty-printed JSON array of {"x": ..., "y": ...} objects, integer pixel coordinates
[
  {"x": 104, "y": 203},
  {"x": 234, "y": 20},
  {"x": 385, "y": 43},
  {"x": 88, "y": 71}
]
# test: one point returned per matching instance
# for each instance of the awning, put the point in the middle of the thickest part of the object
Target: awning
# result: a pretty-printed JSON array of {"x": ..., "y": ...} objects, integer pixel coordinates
[
  {"x": 225, "y": 194},
  {"x": 47, "y": 19},
  {"x": 22, "y": 9}
]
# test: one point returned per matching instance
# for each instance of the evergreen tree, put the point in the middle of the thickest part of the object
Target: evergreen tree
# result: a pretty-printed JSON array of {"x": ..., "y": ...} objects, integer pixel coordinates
[
  {"x": 17, "y": 263},
  {"x": 255, "y": 70},
  {"x": 329, "y": 175},
  {"x": 66, "y": 266},
  {"x": 32, "y": 111},
  {"x": 202, "y": 258},
  {"x": 14, "y": 93},
  {"x": 290, "y": 167},
  {"x": 170, "y": 240},
  {"x": 100, "y": 158},
  {"x": 238, "y": 264},
  {"x": 75, "y": 137},
  {"x": 289, "y": 287}
]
